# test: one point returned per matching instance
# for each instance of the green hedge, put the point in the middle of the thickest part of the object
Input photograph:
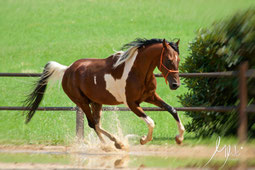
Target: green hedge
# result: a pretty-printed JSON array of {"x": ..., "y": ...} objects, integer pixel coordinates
[{"x": 222, "y": 47}]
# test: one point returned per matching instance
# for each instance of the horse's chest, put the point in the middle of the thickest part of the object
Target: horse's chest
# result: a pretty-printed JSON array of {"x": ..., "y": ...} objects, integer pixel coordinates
[{"x": 147, "y": 91}]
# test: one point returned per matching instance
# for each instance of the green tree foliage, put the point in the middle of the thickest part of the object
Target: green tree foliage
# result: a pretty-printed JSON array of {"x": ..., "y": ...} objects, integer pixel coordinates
[{"x": 222, "y": 47}]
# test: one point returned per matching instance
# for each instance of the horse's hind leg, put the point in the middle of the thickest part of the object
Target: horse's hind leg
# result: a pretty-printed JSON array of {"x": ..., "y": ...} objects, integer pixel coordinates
[
  {"x": 97, "y": 110},
  {"x": 93, "y": 119},
  {"x": 87, "y": 111}
]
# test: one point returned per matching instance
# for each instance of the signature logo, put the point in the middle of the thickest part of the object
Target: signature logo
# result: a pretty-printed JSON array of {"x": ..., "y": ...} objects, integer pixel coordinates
[{"x": 229, "y": 151}]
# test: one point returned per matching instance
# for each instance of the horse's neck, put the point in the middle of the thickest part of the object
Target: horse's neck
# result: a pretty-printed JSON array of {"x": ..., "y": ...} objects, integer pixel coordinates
[
  {"x": 144, "y": 62},
  {"x": 149, "y": 60}
]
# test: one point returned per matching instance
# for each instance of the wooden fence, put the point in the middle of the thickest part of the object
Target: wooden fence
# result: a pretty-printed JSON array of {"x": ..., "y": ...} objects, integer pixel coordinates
[{"x": 242, "y": 75}]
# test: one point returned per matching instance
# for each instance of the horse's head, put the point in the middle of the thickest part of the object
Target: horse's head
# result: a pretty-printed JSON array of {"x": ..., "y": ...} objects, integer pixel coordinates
[{"x": 169, "y": 63}]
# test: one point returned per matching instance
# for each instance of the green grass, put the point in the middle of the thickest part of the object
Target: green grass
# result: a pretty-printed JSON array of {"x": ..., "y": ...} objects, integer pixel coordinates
[{"x": 35, "y": 32}]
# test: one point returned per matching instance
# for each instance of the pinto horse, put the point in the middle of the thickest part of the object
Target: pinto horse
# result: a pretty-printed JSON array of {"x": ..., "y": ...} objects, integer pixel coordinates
[{"x": 125, "y": 77}]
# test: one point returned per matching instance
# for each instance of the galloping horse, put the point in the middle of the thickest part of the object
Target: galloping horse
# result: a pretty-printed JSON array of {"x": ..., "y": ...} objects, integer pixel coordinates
[{"x": 123, "y": 78}]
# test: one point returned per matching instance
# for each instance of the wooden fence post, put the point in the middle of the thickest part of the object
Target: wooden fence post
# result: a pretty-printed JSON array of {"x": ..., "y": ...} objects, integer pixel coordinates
[
  {"x": 79, "y": 123},
  {"x": 242, "y": 130}
]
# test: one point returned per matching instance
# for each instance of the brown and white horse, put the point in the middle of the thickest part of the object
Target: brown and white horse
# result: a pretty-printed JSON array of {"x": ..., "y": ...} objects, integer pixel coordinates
[{"x": 123, "y": 78}]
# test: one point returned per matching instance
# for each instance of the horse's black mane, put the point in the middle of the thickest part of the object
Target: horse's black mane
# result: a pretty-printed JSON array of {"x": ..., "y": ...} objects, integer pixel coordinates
[{"x": 139, "y": 42}]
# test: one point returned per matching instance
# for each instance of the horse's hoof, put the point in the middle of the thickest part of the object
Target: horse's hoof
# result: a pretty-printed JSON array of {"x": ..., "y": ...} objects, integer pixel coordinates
[
  {"x": 143, "y": 140},
  {"x": 119, "y": 145},
  {"x": 178, "y": 140}
]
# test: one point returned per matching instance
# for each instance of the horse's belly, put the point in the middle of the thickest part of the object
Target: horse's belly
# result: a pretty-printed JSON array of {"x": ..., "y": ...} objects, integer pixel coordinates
[{"x": 101, "y": 89}]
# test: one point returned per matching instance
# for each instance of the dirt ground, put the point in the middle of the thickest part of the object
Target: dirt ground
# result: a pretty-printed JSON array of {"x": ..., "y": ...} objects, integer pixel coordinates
[
  {"x": 156, "y": 150},
  {"x": 117, "y": 158}
]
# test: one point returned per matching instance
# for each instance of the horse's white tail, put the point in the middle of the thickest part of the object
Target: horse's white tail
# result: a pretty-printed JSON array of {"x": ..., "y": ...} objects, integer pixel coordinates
[{"x": 53, "y": 71}]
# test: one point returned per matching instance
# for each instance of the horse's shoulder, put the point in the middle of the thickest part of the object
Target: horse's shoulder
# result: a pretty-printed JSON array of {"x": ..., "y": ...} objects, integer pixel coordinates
[
  {"x": 150, "y": 78},
  {"x": 150, "y": 82}
]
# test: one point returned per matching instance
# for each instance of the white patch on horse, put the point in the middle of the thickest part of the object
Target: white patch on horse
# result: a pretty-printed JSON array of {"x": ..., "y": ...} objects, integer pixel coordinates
[
  {"x": 176, "y": 58},
  {"x": 118, "y": 87},
  {"x": 181, "y": 129},
  {"x": 95, "y": 80},
  {"x": 149, "y": 121}
]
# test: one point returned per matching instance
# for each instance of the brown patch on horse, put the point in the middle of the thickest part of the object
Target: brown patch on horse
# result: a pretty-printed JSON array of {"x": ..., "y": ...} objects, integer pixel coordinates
[{"x": 118, "y": 71}]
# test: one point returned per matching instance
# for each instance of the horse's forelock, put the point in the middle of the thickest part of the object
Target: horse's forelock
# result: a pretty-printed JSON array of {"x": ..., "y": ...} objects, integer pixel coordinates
[{"x": 174, "y": 46}]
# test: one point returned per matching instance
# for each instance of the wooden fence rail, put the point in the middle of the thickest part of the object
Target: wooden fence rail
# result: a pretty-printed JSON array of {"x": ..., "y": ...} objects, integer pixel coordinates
[
  {"x": 195, "y": 109},
  {"x": 242, "y": 75},
  {"x": 250, "y": 73}
]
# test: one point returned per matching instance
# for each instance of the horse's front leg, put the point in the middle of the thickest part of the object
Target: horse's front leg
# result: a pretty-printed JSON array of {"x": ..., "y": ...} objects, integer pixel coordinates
[
  {"x": 139, "y": 112},
  {"x": 156, "y": 100}
]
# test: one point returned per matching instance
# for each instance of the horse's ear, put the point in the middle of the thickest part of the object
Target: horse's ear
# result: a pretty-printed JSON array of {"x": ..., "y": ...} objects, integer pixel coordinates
[
  {"x": 177, "y": 42},
  {"x": 164, "y": 43}
]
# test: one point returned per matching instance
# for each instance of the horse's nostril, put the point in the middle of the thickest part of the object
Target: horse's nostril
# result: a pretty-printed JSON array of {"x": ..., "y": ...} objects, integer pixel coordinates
[{"x": 174, "y": 85}]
